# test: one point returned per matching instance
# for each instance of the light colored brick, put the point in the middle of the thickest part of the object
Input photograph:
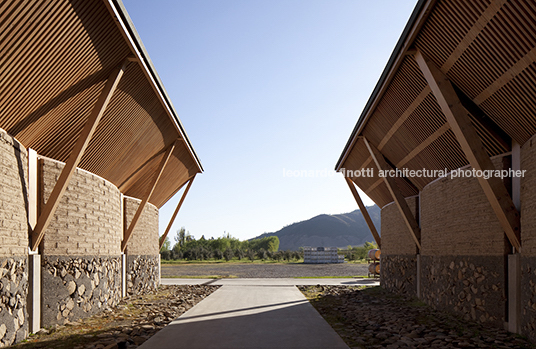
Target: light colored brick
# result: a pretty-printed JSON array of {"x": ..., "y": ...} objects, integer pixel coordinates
[
  {"x": 396, "y": 238},
  {"x": 13, "y": 220},
  {"x": 144, "y": 239},
  {"x": 78, "y": 220}
]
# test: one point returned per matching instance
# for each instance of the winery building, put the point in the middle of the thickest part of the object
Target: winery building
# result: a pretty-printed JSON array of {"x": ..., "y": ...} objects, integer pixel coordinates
[
  {"x": 456, "y": 99},
  {"x": 90, "y": 148}
]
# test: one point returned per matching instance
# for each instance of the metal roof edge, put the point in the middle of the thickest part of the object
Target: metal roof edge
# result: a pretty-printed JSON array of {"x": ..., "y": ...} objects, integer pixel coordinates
[
  {"x": 132, "y": 34},
  {"x": 391, "y": 64}
]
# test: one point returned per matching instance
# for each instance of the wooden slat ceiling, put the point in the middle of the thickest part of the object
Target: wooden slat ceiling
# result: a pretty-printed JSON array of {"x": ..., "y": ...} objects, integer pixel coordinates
[
  {"x": 487, "y": 48},
  {"x": 56, "y": 56}
]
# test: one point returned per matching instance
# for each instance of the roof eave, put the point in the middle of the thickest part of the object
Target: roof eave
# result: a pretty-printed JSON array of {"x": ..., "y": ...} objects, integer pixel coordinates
[
  {"x": 126, "y": 25},
  {"x": 415, "y": 22}
]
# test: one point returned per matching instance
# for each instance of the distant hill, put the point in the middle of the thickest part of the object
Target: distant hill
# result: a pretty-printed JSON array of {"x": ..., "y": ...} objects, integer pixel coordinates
[{"x": 338, "y": 230}]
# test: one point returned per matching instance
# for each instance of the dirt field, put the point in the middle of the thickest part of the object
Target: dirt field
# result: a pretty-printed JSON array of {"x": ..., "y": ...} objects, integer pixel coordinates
[{"x": 264, "y": 270}]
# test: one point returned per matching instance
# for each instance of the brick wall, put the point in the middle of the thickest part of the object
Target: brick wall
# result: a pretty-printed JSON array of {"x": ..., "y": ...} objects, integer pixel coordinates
[
  {"x": 398, "y": 261},
  {"x": 13, "y": 240},
  {"x": 88, "y": 218},
  {"x": 13, "y": 197},
  {"x": 142, "y": 247},
  {"x": 457, "y": 219},
  {"x": 144, "y": 238},
  {"x": 396, "y": 238},
  {"x": 528, "y": 239},
  {"x": 463, "y": 250}
]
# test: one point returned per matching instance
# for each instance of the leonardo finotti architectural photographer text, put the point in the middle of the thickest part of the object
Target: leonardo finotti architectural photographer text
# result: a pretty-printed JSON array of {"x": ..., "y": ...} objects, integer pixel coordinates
[{"x": 486, "y": 174}]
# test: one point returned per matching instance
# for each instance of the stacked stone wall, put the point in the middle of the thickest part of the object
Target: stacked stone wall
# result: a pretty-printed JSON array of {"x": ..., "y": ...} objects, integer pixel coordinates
[
  {"x": 13, "y": 240},
  {"x": 463, "y": 256},
  {"x": 142, "y": 247},
  {"x": 398, "y": 261},
  {"x": 77, "y": 287},
  {"x": 81, "y": 263}
]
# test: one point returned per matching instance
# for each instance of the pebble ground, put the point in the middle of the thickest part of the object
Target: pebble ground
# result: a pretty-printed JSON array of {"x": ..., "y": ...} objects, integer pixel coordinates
[{"x": 373, "y": 318}]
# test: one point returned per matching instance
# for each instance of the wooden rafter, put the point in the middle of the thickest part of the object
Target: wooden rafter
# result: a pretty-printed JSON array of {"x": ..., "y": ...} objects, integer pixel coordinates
[
  {"x": 490, "y": 12},
  {"x": 139, "y": 211},
  {"x": 163, "y": 237},
  {"x": 475, "y": 152},
  {"x": 398, "y": 198},
  {"x": 405, "y": 115},
  {"x": 76, "y": 155},
  {"x": 364, "y": 211},
  {"x": 432, "y": 138}
]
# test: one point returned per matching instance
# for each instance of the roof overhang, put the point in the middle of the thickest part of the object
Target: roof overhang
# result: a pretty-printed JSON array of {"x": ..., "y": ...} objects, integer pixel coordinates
[
  {"x": 56, "y": 57},
  {"x": 487, "y": 52}
]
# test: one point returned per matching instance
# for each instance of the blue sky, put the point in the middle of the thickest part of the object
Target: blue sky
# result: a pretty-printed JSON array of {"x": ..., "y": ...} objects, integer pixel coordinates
[{"x": 263, "y": 87}]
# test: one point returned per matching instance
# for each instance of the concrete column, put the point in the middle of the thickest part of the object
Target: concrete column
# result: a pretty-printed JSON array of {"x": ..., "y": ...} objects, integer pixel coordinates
[
  {"x": 159, "y": 270},
  {"x": 34, "y": 292},
  {"x": 123, "y": 275},
  {"x": 514, "y": 293},
  {"x": 418, "y": 278}
]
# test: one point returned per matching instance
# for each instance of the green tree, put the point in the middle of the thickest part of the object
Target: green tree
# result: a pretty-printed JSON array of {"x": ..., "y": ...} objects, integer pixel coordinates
[{"x": 166, "y": 246}]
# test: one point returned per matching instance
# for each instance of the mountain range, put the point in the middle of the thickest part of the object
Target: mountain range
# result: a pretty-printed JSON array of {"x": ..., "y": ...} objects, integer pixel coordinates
[{"x": 339, "y": 230}]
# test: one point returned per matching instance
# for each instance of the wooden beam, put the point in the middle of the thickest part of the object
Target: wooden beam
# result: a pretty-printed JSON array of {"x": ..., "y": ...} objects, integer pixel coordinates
[
  {"x": 163, "y": 237},
  {"x": 76, "y": 154},
  {"x": 364, "y": 211},
  {"x": 475, "y": 152},
  {"x": 398, "y": 198},
  {"x": 139, "y": 211}
]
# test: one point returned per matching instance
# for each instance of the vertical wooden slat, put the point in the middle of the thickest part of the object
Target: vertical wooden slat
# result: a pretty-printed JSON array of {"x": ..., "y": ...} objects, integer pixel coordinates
[
  {"x": 76, "y": 155},
  {"x": 147, "y": 197},
  {"x": 163, "y": 237},
  {"x": 457, "y": 117},
  {"x": 398, "y": 198},
  {"x": 364, "y": 211}
]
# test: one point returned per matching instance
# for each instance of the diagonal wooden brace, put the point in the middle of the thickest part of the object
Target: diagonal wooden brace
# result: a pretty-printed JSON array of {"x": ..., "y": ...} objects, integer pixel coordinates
[
  {"x": 398, "y": 198},
  {"x": 472, "y": 146},
  {"x": 364, "y": 212},
  {"x": 139, "y": 211},
  {"x": 76, "y": 155},
  {"x": 163, "y": 237}
]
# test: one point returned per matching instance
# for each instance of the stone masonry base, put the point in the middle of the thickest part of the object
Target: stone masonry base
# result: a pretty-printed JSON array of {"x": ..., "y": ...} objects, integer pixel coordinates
[
  {"x": 399, "y": 274},
  {"x": 470, "y": 286},
  {"x": 142, "y": 273},
  {"x": 76, "y": 287},
  {"x": 13, "y": 294}
]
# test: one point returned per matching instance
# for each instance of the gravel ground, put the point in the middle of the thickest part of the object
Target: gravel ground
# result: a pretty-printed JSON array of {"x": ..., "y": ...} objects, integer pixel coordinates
[
  {"x": 264, "y": 270},
  {"x": 373, "y": 318},
  {"x": 125, "y": 326}
]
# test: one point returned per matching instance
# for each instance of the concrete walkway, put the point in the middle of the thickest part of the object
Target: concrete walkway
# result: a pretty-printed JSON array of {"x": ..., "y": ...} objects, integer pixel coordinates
[{"x": 251, "y": 313}]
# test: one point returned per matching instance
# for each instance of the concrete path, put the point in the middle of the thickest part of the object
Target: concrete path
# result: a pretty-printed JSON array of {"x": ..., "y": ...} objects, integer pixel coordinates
[
  {"x": 251, "y": 313},
  {"x": 271, "y": 282}
]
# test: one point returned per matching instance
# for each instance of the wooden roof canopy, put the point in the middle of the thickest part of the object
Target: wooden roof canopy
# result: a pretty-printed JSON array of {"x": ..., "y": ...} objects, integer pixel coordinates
[
  {"x": 56, "y": 57},
  {"x": 486, "y": 49}
]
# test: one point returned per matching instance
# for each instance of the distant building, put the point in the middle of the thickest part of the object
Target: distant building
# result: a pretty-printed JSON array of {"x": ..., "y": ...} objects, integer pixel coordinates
[{"x": 321, "y": 255}]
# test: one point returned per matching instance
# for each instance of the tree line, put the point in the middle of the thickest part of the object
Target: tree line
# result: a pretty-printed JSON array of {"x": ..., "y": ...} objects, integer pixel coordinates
[{"x": 186, "y": 247}]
